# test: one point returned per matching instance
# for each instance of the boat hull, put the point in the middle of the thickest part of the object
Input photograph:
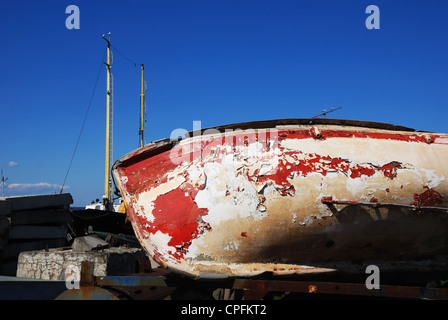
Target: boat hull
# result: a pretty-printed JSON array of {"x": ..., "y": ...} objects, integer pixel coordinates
[{"x": 290, "y": 196}]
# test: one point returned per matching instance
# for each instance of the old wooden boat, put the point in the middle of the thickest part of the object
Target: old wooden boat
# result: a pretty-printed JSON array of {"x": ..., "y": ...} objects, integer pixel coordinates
[{"x": 290, "y": 196}]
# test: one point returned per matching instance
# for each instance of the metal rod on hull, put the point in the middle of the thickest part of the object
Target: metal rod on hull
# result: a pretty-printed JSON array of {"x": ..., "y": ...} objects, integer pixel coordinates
[
  {"x": 324, "y": 113},
  {"x": 108, "y": 134}
]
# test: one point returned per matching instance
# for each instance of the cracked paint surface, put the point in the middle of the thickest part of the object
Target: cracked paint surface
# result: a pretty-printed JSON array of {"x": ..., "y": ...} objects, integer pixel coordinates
[{"x": 250, "y": 201}]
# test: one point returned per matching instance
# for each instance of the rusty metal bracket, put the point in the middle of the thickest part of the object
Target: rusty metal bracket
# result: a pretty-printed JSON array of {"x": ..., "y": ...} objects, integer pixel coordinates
[
  {"x": 329, "y": 201},
  {"x": 87, "y": 277}
]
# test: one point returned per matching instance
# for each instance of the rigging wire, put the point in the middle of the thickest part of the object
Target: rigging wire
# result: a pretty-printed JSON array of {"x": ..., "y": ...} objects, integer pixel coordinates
[
  {"x": 88, "y": 109},
  {"x": 126, "y": 57},
  {"x": 144, "y": 101},
  {"x": 83, "y": 124}
]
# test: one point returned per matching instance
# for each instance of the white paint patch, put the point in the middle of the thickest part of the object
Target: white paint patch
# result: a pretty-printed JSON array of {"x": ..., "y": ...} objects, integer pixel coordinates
[
  {"x": 294, "y": 218},
  {"x": 356, "y": 186},
  {"x": 195, "y": 173},
  {"x": 232, "y": 246},
  {"x": 242, "y": 199},
  {"x": 124, "y": 180},
  {"x": 269, "y": 191},
  {"x": 432, "y": 180},
  {"x": 360, "y": 150},
  {"x": 145, "y": 200},
  {"x": 160, "y": 241},
  {"x": 441, "y": 140},
  {"x": 308, "y": 220},
  {"x": 264, "y": 169}
]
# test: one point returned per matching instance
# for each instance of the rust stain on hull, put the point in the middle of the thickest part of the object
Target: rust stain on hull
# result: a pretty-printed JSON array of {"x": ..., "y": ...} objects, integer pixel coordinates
[{"x": 243, "y": 202}]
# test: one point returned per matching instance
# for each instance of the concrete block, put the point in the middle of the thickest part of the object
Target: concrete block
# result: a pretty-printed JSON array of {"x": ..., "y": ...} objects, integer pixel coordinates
[
  {"x": 5, "y": 207},
  {"x": 88, "y": 243},
  {"x": 66, "y": 264},
  {"x": 8, "y": 267},
  {"x": 12, "y": 249},
  {"x": 4, "y": 222},
  {"x": 38, "y": 217},
  {"x": 4, "y": 226},
  {"x": 39, "y": 201},
  {"x": 37, "y": 232}
]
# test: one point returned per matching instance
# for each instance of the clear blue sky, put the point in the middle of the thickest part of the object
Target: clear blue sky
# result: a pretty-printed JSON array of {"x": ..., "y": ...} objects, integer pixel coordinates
[{"x": 214, "y": 61}]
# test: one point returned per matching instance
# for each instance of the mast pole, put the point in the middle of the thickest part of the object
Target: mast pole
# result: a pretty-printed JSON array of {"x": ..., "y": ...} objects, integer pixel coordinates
[
  {"x": 3, "y": 184},
  {"x": 108, "y": 133},
  {"x": 142, "y": 114}
]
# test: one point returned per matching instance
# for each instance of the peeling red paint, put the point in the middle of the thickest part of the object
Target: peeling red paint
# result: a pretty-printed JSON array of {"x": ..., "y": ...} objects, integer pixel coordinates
[
  {"x": 179, "y": 216},
  {"x": 358, "y": 170},
  {"x": 324, "y": 134},
  {"x": 163, "y": 163},
  {"x": 390, "y": 169},
  {"x": 140, "y": 178},
  {"x": 322, "y": 164},
  {"x": 428, "y": 198},
  {"x": 179, "y": 219}
]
